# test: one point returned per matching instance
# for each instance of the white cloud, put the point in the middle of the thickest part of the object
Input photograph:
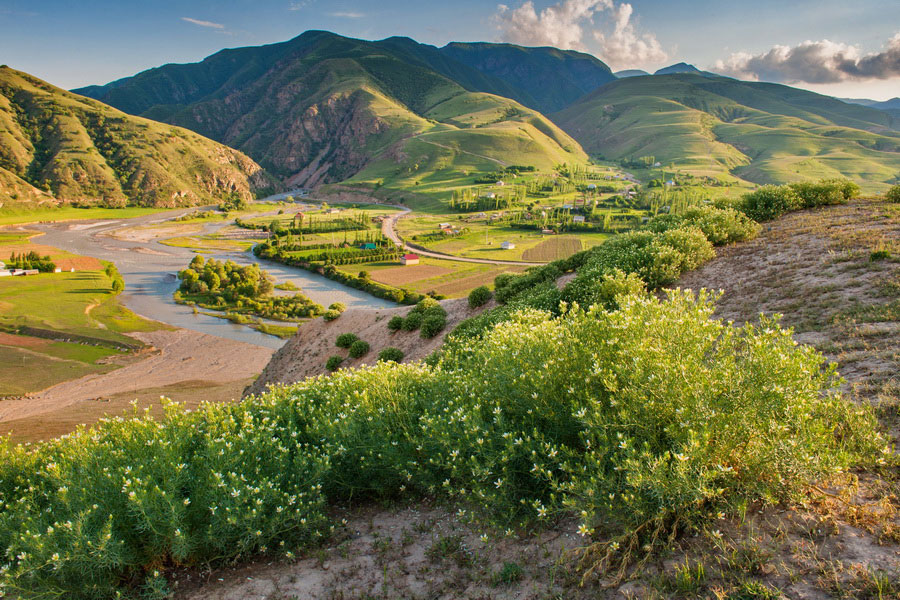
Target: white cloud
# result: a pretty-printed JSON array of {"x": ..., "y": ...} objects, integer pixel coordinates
[
  {"x": 299, "y": 5},
  {"x": 209, "y": 24},
  {"x": 625, "y": 46},
  {"x": 347, "y": 15},
  {"x": 587, "y": 25},
  {"x": 817, "y": 62}
]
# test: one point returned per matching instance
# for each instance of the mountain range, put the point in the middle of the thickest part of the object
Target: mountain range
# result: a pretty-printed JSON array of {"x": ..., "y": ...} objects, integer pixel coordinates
[{"x": 414, "y": 118}]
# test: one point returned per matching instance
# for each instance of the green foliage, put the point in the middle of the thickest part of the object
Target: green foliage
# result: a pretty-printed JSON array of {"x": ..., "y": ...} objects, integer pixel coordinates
[
  {"x": 479, "y": 296},
  {"x": 634, "y": 420},
  {"x": 893, "y": 194},
  {"x": 331, "y": 314},
  {"x": 338, "y": 306},
  {"x": 359, "y": 348},
  {"x": 390, "y": 354},
  {"x": 345, "y": 340},
  {"x": 432, "y": 325},
  {"x": 770, "y": 202},
  {"x": 334, "y": 361},
  {"x": 412, "y": 321},
  {"x": 510, "y": 573},
  {"x": 824, "y": 193},
  {"x": 720, "y": 225},
  {"x": 32, "y": 260},
  {"x": 395, "y": 323},
  {"x": 241, "y": 289}
]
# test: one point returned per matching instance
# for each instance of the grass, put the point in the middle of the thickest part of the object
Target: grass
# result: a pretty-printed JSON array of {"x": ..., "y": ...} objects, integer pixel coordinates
[
  {"x": 81, "y": 303},
  {"x": 734, "y": 131},
  {"x": 26, "y": 370},
  {"x": 18, "y": 214}
]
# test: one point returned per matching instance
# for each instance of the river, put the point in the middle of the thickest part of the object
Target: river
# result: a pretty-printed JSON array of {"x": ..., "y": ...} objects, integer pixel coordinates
[{"x": 149, "y": 269}]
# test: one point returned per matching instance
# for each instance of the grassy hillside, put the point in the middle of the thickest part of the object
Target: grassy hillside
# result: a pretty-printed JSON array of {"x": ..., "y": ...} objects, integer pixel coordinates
[
  {"x": 57, "y": 146},
  {"x": 758, "y": 132},
  {"x": 547, "y": 79},
  {"x": 323, "y": 108}
]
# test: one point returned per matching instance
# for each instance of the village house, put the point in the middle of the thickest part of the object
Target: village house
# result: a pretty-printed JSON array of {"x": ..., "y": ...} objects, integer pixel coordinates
[
  {"x": 578, "y": 219},
  {"x": 409, "y": 259},
  {"x": 507, "y": 245},
  {"x": 367, "y": 246}
]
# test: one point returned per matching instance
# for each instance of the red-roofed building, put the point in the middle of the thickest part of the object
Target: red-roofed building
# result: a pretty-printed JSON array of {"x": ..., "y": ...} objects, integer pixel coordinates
[{"x": 409, "y": 259}]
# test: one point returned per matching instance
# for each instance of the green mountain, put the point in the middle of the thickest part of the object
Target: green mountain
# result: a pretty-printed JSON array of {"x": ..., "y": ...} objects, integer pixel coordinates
[
  {"x": 725, "y": 128},
  {"x": 324, "y": 108},
  {"x": 547, "y": 79},
  {"x": 58, "y": 146}
]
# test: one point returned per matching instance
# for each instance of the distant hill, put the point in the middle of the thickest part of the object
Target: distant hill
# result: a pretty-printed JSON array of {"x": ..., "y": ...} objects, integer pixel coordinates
[
  {"x": 324, "y": 108},
  {"x": 546, "y": 79},
  {"x": 891, "y": 106},
  {"x": 630, "y": 73},
  {"x": 725, "y": 128},
  {"x": 681, "y": 67},
  {"x": 58, "y": 146}
]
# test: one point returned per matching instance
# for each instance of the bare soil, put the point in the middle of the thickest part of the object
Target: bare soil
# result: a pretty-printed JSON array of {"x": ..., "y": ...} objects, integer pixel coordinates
[
  {"x": 816, "y": 268},
  {"x": 401, "y": 276},
  {"x": 304, "y": 355}
]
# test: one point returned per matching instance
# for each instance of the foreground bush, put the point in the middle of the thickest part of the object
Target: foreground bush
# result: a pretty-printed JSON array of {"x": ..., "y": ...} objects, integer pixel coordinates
[
  {"x": 770, "y": 202},
  {"x": 650, "y": 417},
  {"x": 720, "y": 225},
  {"x": 345, "y": 340},
  {"x": 359, "y": 348},
  {"x": 893, "y": 194},
  {"x": 479, "y": 296},
  {"x": 390, "y": 354},
  {"x": 334, "y": 362}
]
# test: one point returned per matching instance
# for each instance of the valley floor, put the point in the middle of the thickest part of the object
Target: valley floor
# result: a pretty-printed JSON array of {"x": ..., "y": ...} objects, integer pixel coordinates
[{"x": 835, "y": 275}]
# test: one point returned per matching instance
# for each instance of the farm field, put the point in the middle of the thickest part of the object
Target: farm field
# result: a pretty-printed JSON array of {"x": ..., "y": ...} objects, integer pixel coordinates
[{"x": 446, "y": 277}]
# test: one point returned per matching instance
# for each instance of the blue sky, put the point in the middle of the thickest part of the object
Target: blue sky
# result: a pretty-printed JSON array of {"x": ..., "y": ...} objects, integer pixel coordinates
[{"x": 837, "y": 47}]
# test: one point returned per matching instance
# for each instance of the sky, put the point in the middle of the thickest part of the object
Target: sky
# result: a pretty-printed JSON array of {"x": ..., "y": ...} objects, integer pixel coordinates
[{"x": 841, "y": 48}]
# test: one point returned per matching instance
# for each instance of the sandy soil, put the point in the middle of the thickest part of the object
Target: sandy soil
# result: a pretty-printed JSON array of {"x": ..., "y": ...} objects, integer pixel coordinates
[
  {"x": 844, "y": 542},
  {"x": 304, "y": 355},
  {"x": 175, "y": 357}
]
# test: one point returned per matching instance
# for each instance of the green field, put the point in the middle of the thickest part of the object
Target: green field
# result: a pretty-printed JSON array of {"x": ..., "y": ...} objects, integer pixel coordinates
[
  {"x": 81, "y": 303},
  {"x": 18, "y": 214}
]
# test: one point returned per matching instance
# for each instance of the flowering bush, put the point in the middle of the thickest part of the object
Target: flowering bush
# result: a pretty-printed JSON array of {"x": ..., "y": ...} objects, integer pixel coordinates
[
  {"x": 720, "y": 225},
  {"x": 770, "y": 202}
]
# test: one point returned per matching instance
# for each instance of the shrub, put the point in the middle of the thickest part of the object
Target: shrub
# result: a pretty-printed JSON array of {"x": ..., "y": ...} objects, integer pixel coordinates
[
  {"x": 345, "y": 340},
  {"x": 395, "y": 323},
  {"x": 428, "y": 303},
  {"x": 412, "y": 321},
  {"x": 433, "y": 325},
  {"x": 338, "y": 306},
  {"x": 819, "y": 194},
  {"x": 640, "y": 421},
  {"x": 893, "y": 194},
  {"x": 479, "y": 296},
  {"x": 390, "y": 354},
  {"x": 721, "y": 226},
  {"x": 769, "y": 202},
  {"x": 359, "y": 348},
  {"x": 334, "y": 362},
  {"x": 331, "y": 315}
]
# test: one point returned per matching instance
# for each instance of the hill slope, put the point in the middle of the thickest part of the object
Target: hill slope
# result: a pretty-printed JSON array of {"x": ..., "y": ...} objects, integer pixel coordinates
[
  {"x": 547, "y": 79},
  {"x": 321, "y": 108},
  {"x": 759, "y": 132},
  {"x": 57, "y": 145}
]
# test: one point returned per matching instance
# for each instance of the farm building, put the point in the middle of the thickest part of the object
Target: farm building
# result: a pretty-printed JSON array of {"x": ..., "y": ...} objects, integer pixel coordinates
[
  {"x": 578, "y": 219},
  {"x": 547, "y": 231},
  {"x": 507, "y": 245},
  {"x": 500, "y": 183},
  {"x": 592, "y": 186},
  {"x": 5, "y": 273},
  {"x": 367, "y": 246},
  {"x": 409, "y": 259},
  {"x": 444, "y": 226}
]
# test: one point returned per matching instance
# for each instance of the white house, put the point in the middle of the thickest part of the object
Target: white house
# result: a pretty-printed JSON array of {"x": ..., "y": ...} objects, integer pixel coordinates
[
  {"x": 578, "y": 219},
  {"x": 409, "y": 259},
  {"x": 507, "y": 245},
  {"x": 592, "y": 186},
  {"x": 500, "y": 183}
]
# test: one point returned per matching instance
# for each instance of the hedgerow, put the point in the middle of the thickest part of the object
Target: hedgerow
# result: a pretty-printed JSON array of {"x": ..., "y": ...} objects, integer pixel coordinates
[{"x": 641, "y": 420}]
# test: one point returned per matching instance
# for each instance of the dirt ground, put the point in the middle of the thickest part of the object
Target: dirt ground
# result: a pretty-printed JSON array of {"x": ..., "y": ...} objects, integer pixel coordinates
[
  {"x": 304, "y": 355},
  {"x": 400, "y": 276},
  {"x": 181, "y": 363},
  {"x": 815, "y": 267},
  {"x": 79, "y": 263}
]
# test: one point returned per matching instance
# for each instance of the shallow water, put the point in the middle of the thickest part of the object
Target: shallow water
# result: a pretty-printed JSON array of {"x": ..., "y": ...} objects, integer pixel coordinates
[{"x": 149, "y": 270}]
